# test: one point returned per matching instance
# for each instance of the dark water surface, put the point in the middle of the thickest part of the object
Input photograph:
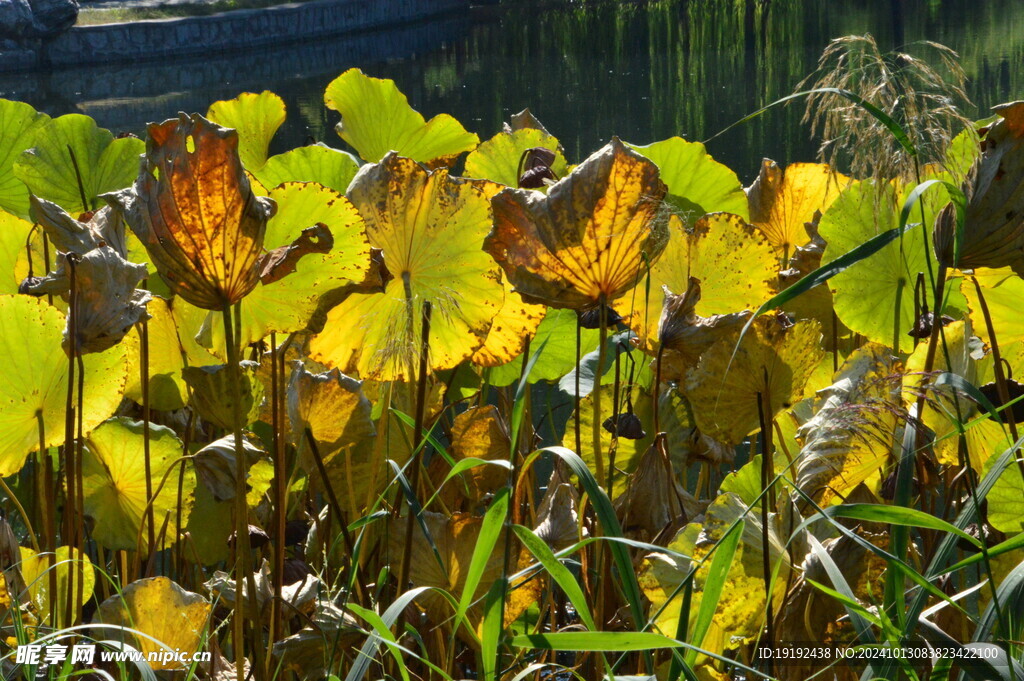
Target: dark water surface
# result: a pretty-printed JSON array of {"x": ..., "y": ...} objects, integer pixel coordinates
[{"x": 640, "y": 70}]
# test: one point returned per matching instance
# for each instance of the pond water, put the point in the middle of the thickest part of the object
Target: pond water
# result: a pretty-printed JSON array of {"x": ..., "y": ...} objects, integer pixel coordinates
[{"x": 640, "y": 70}]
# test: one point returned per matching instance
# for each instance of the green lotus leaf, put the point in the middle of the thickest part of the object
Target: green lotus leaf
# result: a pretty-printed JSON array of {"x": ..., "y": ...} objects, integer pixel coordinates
[
  {"x": 1006, "y": 500},
  {"x": 209, "y": 526},
  {"x": 319, "y": 163},
  {"x": 14, "y": 233},
  {"x": 875, "y": 297},
  {"x": 497, "y": 159},
  {"x": 555, "y": 340},
  {"x": 286, "y": 305},
  {"x": 18, "y": 125},
  {"x": 256, "y": 118},
  {"x": 36, "y": 380},
  {"x": 114, "y": 483},
  {"x": 376, "y": 118},
  {"x": 105, "y": 164},
  {"x": 212, "y": 393},
  {"x": 697, "y": 183}
]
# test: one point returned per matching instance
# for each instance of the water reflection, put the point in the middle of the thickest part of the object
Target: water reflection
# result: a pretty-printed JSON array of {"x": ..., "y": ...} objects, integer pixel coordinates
[{"x": 642, "y": 70}]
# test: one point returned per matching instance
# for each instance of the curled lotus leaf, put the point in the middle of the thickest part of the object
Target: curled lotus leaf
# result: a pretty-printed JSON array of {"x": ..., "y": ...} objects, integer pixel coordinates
[
  {"x": 590, "y": 239},
  {"x": 36, "y": 380},
  {"x": 114, "y": 483},
  {"x": 654, "y": 502},
  {"x": 73, "y": 569},
  {"x": 771, "y": 367},
  {"x": 103, "y": 163},
  {"x": 299, "y": 597},
  {"x": 849, "y": 439},
  {"x": 558, "y": 518},
  {"x": 697, "y": 183},
  {"x": 107, "y": 303},
  {"x": 781, "y": 201},
  {"x": 816, "y": 303},
  {"x": 993, "y": 233},
  {"x": 194, "y": 210},
  {"x": 376, "y": 119},
  {"x": 104, "y": 227},
  {"x": 256, "y": 117},
  {"x": 212, "y": 391},
  {"x": 18, "y": 125},
  {"x": 215, "y": 465},
  {"x": 733, "y": 261},
  {"x": 163, "y": 610},
  {"x": 430, "y": 227},
  {"x": 318, "y": 163},
  {"x": 331, "y": 405},
  {"x": 477, "y": 433},
  {"x": 312, "y": 651}
]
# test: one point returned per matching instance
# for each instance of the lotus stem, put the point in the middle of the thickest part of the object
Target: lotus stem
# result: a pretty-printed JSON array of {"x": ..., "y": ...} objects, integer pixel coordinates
[
  {"x": 71, "y": 478},
  {"x": 596, "y": 392},
  {"x": 49, "y": 506},
  {"x": 280, "y": 492},
  {"x": 767, "y": 470},
  {"x": 576, "y": 394},
  {"x": 144, "y": 378},
  {"x": 243, "y": 550}
]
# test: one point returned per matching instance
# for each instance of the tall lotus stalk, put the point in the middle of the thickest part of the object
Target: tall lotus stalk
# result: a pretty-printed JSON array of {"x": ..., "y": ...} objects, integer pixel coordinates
[{"x": 194, "y": 210}]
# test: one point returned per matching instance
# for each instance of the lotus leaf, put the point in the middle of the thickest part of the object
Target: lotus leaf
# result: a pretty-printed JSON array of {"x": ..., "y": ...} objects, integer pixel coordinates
[
  {"x": 430, "y": 227},
  {"x": 212, "y": 392},
  {"x": 498, "y": 159},
  {"x": 773, "y": 360},
  {"x": 732, "y": 260},
  {"x": 993, "y": 233},
  {"x": 318, "y": 163},
  {"x": 105, "y": 227},
  {"x": 36, "y": 380},
  {"x": 194, "y": 210},
  {"x": 256, "y": 117},
  {"x": 781, "y": 201},
  {"x": 14, "y": 234},
  {"x": 161, "y": 609},
  {"x": 876, "y": 298},
  {"x": 739, "y": 616},
  {"x": 1003, "y": 291},
  {"x": 215, "y": 465},
  {"x": 849, "y": 440},
  {"x": 20, "y": 122},
  {"x": 287, "y": 304},
  {"x": 376, "y": 118},
  {"x": 167, "y": 358},
  {"x": 478, "y": 433},
  {"x": 331, "y": 405},
  {"x": 555, "y": 340},
  {"x": 590, "y": 239},
  {"x": 697, "y": 183},
  {"x": 114, "y": 483},
  {"x": 35, "y": 571},
  {"x": 105, "y": 164}
]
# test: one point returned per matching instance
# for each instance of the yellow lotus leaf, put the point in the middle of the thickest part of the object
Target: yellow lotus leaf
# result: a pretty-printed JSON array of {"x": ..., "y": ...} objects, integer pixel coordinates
[
  {"x": 993, "y": 234},
  {"x": 587, "y": 241},
  {"x": 331, "y": 405},
  {"x": 430, "y": 227},
  {"x": 213, "y": 390},
  {"x": 35, "y": 381},
  {"x": 984, "y": 438},
  {"x": 774, "y": 360},
  {"x": 161, "y": 609},
  {"x": 193, "y": 208},
  {"x": 72, "y": 567},
  {"x": 256, "y": 117},
  {"x": 14, "y": 233},
  {"x": 732, "y": 260},
  {"x": 498, "y": 158},
  {"x": 781, "y": 201},
  {"x": 848, "y": 441},
  {"x": 287, "y": 304},
  {"x": 167, "y": 358},
  {"x": 456, "y": 537},
  {"x": 114, "y": 483},
  {"x": 479, "y": 433},
  {"x": 516, "y": 322},
  {"x": 376, "y": 118},
  {"x": 739, "y": 616},
  {"x": 1003, "y": 290}
]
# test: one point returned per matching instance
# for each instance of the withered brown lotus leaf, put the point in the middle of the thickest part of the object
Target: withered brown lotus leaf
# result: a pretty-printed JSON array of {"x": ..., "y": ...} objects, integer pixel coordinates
[
  {"x": 558, "y": 516},
  {"x": 994, "y": 222},
  {"x": 587, "y": 241},
  {"x": 215, "y": 465},
  {"x": 312, "y": 651},
  {"x": 282, "y": 261},
  {"x": 108, "y": 304},
  {"x": 654, "y": 502},
  {"x": 103, "y": 227},
  {"x": 195, "y": 212}
]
